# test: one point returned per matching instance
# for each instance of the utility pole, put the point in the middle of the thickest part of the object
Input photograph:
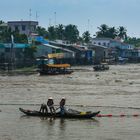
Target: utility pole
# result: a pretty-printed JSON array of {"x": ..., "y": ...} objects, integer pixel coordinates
[
  {"x": 30, "y": 14},
  {"x": 50, "y": 22},
  {"x": 12, "y": 53},
  {"x": 88, "y": 24},
  {"x": 37, "y": 16},
  {"x": 55, "y": 19}
]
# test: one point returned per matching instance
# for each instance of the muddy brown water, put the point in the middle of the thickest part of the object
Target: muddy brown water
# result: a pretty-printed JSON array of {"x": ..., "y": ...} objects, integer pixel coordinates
[{"x": 115, "y": 92}]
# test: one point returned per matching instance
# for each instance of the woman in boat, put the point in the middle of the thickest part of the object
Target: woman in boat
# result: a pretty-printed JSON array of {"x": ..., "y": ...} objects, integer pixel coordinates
[
  {"x": 50, "y": 104},
  {"x": 43, "y": 108},
  {"x": 62, "y": 105}
]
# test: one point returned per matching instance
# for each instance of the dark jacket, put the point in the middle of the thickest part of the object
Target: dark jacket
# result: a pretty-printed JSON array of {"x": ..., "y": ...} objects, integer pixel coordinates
[
  {"x": 50, "y": 102},
  {"x": 62, "y": 103}
]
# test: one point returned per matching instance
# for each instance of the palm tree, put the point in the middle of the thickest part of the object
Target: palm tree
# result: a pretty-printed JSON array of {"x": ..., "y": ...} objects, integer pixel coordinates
[
  {"x": 112, "y": 32},
  {"x": 71, "y": 33},
  {"x": 41, "y": 31},
  {"x": 86, "y": 36},
  {"x": 122, "y": 32},
  {"x": 1, "y": 21},
  {"x": 60, "y": 31},
  {"x": 52, "y": 32},
  {"x": 102, "y": 30}
]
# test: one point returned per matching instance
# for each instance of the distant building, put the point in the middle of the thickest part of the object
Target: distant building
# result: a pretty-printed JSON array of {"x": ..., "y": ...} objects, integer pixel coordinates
[
  {"x": 116, "y": 48},
  {"x": 108, "y": 42},
  {"x": 24, "y": 27},
  {"x": 46, "y": 49},
  {"x": 17, "y": 52},
  {"x": 83, "y": 55},
  {"x": 101, "y": 53},
  {"x": 3, "y": 27}
]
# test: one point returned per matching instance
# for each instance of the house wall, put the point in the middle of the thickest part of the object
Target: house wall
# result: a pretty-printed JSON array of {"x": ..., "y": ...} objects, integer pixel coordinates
[
  {"x": 116, "y": 48},
  {"x": 18, "y": 53},
  {"x": 24, "y": 27},
  {"x": 102, "y": 42},
  {"x": 100, "y": 54},
  {"x": 43, "y": 50},
  {"x": 115, "y": 44},
  {"x": 111, "y": 43}
]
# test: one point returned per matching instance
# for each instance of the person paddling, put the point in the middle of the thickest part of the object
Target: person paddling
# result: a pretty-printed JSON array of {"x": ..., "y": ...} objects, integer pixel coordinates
[
  {"x": 43, "y": 108},
  {"x": 50, "y": 104},
  {"x": 62, "y": 105}
]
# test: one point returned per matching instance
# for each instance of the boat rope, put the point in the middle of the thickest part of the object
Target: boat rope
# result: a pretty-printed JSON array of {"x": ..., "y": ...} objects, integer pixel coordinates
[{"x": 121, "y": 115}]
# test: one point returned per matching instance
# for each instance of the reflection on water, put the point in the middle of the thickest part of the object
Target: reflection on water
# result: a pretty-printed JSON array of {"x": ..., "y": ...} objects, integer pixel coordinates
[{"x": 61, "y": 129}]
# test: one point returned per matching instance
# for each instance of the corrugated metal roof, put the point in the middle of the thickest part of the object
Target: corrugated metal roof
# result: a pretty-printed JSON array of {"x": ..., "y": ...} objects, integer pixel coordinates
[
  {"x": 58, "y": 65},
  {"x": 48, "y": 45},
  {"x": 2, "y": 46},
  {"x": 55, "y": 47},
  {"x": 16, "y": 45},
  {"x": 21, "y": 45},
  {"x": 3, "y": 25}
]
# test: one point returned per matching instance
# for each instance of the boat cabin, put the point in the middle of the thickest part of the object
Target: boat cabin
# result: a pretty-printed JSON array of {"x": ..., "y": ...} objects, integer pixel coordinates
[{"x": 48, "y": 66}]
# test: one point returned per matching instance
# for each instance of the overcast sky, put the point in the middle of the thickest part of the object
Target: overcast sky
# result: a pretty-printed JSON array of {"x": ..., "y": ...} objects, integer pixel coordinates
[{"x": 86, "y": 14}]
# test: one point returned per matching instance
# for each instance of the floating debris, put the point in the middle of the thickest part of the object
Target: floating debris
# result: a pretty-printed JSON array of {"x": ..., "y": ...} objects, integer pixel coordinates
[{"x": 117, "y": 80}]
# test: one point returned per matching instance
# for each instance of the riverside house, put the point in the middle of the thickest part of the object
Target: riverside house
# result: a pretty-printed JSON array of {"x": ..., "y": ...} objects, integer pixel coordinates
[
  {"x": 115, "y": 48},
  {"x": 17, "y": 52},
  {"x": 24, "y": 27}
]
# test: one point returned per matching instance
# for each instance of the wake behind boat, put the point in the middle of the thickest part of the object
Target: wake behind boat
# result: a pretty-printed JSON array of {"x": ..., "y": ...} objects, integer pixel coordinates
[{"x": 69, "y": 114}]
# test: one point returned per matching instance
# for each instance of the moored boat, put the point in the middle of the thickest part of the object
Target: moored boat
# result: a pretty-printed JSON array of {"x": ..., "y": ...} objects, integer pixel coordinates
[
  {"x": 48, "y": 66},
  {"x": 69, "y": 114},
  {"x": 55, "y": 69},
  {"x": 101, "y": 67}
]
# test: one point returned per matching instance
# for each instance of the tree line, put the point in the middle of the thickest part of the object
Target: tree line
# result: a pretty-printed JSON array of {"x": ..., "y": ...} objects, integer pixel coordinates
[{"x": 70, "y": 33}]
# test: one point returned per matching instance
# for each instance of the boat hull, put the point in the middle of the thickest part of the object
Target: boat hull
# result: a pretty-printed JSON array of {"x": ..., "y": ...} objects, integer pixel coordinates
[
  {"x": 54, "y": 73},
  {"x": 85, "y": 115},
  {"x": 101, "y": 67}
]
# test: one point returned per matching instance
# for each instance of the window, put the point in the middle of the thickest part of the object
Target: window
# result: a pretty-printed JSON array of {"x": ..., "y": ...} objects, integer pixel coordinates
[
  {"x": 104, "y": 44},
  {"x": 16, "y": 28},
  {"x": 23, "y": 27},
  {"x": 99, "y": 43}
]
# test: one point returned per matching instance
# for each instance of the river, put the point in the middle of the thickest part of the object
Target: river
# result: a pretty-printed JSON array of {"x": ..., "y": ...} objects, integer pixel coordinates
[{"x": 116, "y": 92}]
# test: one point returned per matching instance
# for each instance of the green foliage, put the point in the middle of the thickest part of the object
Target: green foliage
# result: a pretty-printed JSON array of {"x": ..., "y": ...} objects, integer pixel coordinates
[
  {"x": 41, "y": 31},
  {"x": 52, "y": 33},
  {"x": 71, "y": 33},
  {"x": 86, "y": 36},
  {"x": 68, "y": 33},
  {"x": 122, "y": 32},
  {"x": 111, "y": 32},
  {"x": 60, "y": 31},
  {"x": 5, "y": 36},
  {"x": 1, "y": 21},
  {"x": 134, "y": 41}
]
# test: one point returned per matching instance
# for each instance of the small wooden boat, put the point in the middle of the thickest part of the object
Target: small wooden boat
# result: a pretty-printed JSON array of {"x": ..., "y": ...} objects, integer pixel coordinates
[
  {"x": 55, "y": 69},
  {"x": 101, "y": 67},
  {"x": 69, "y": 114}
]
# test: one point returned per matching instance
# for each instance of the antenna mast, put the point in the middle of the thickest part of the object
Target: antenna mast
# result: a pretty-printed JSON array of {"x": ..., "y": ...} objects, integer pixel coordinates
[
  {"x": 37, "y": 16},
  {"x": 30, "y": 14}
]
